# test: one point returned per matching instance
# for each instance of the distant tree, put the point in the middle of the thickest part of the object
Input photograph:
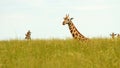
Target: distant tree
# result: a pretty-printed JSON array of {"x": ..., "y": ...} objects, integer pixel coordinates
[
  {"x": 28, "y": 35},
  {"x": 113, "y": 35},
  {"x": 118, "y": 35}
]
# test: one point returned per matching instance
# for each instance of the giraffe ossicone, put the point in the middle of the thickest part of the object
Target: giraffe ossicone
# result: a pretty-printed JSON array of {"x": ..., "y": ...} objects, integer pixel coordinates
[{"x": 75, "y": 33}]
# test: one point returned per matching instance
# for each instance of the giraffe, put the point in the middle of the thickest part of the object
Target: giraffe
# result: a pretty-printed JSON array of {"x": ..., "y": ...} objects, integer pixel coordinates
[
  {"x": 28, "y": 35},
  {"x": 75, "y": 33},
  {"x": 113, "y": 35}
]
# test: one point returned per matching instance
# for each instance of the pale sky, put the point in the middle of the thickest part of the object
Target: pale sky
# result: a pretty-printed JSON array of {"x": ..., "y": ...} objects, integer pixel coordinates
[{"x": 93, "y": 18}]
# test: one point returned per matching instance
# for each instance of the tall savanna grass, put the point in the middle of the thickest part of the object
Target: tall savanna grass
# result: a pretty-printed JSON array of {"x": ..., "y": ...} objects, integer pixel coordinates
[{"x": 56, "y": 53}]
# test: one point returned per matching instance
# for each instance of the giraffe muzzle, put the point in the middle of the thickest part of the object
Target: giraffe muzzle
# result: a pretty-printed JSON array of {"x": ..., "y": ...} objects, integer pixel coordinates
[{"x": 63, "y": 23}]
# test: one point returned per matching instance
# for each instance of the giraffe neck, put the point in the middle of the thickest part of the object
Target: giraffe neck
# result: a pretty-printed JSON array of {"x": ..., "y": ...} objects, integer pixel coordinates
[{"x": 75, "y": 33}]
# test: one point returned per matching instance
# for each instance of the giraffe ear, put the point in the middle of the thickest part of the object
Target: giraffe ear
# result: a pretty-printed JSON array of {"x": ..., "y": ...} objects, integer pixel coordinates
[{"x": 71, "y": 18}]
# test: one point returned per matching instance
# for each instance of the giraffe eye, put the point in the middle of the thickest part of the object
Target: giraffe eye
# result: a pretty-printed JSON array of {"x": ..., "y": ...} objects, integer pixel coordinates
[{"x": 68, "y": 19}]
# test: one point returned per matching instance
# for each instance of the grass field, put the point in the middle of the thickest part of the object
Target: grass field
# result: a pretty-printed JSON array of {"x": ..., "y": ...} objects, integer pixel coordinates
[{"x": 56, "y": 53}]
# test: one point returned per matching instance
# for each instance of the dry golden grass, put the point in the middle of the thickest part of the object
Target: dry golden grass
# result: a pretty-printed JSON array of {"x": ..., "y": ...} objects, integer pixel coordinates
[{"x": 56, "y": 53}]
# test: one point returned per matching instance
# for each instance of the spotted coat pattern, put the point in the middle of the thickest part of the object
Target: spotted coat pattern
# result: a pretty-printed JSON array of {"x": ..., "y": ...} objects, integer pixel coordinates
[{"x": 75, "y": 33}]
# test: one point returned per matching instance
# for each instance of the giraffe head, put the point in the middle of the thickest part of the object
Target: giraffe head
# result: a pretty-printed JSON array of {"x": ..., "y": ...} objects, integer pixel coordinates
[{"x": 67, "y": 20}]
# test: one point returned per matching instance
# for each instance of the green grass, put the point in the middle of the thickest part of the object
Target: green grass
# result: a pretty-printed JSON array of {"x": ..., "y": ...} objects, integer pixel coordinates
[{"x": 56, "y": 53}]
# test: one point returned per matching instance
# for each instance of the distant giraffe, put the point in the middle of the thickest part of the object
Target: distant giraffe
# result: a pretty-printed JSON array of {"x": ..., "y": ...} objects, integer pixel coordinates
[
  {"x": 28, "y": 35},
  {"x": 113, "y": 35},
  {"x": 75, "y": 33}
]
